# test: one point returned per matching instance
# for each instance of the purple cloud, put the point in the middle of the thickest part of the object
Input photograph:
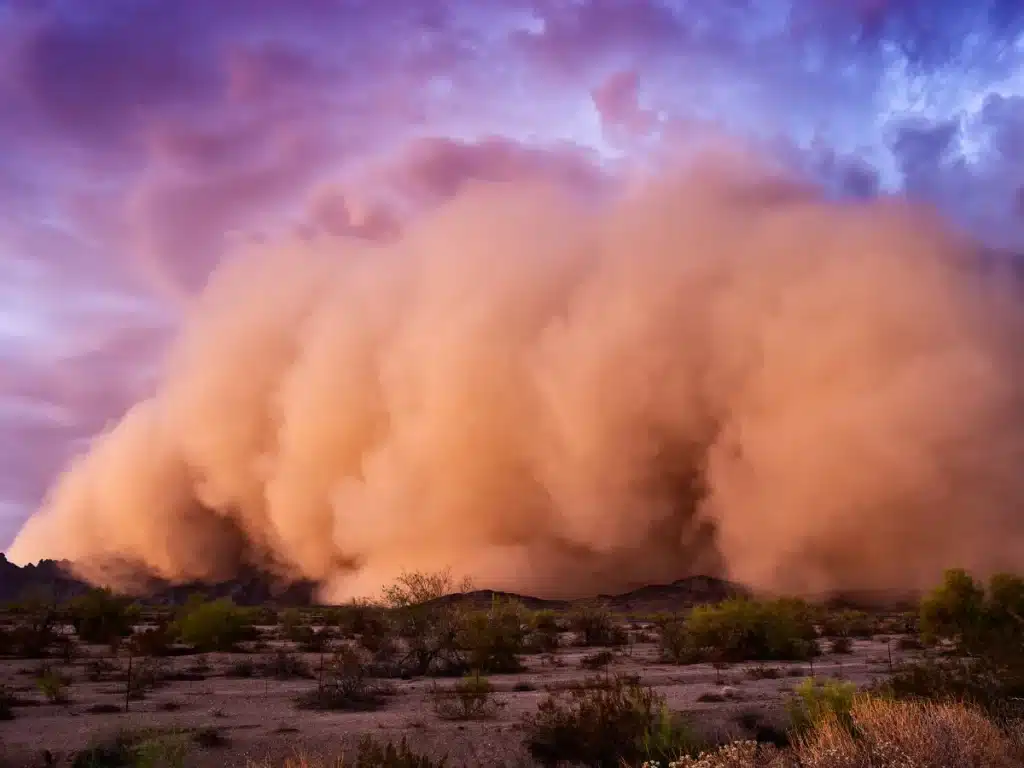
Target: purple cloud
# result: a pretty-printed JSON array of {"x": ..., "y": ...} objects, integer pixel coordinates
[{"x": 140, "y": 136}]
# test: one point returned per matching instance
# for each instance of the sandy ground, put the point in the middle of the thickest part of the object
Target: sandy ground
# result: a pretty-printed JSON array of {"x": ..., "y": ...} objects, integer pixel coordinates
[{"x": 262, "y": 725}]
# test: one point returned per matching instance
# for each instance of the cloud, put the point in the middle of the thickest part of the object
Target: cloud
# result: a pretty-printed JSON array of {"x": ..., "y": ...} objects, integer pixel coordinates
[
  {"x": 617, "y": 101},
  {"x": 716, "y": 371},
  {"x": 143, "y": 139}
]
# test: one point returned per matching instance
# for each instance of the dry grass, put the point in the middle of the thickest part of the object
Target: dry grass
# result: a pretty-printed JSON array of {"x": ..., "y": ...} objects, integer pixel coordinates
[
  {"x": 885, "y": 734},
  {"x": 893, "y": 734}
]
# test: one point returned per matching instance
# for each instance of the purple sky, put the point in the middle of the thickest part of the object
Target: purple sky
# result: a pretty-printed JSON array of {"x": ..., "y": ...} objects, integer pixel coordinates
[{"x": 139, "y": 138}]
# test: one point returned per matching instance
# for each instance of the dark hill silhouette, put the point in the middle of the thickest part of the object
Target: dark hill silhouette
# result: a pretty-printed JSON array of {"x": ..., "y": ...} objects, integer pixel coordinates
[
  {"x": 653, "y": 598},
  {"x": 678, "y": 596},
  {"x": 55, "y": 579}
]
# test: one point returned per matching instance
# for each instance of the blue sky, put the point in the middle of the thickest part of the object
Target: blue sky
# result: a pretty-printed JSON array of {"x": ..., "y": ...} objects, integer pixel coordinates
[{"x": 139, "y": 138}]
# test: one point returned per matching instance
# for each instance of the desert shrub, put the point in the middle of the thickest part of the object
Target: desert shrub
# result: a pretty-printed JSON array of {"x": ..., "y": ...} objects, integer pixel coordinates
[
  {"x": 909, "y": 643},
  {"x": 147, "y": 674},
  {"x": 814, "y": 702},
  {"x": 209, "y": 737},
  {"x": 472, "y": 698},
  {"x": 290, "y": 620},
  {"x": 344, "y": 685},
  {"x": 762, "y": 672},
  {"x": 215, "y": 626},
  {"x": 358, "y": 617},
  {"x": 108, "y": 752},
  {"x": 598, "y": 660},
  {"x": 543, "y": 636},
  {"x": 595, "y": 625},
  {"x": 152, "y": 641},
  {"x": 986, "y": 624},
  {"x": 545, "y": 621},
  {"x": 264, "y": 616},
  {"x": 7, "y": 702},
  {"x": 54, "y": 686},
  {"x": 312, "y": 640},
  {"x": 376, "y": 633},
  {"x": 847, "y": 623},
  {"x": 711, "y": 697},
  {"x": 431, "y": 640},
  {"x": 373, "y": 754},
  {"x": 541, "y": 642},
  {"x": 674, "y": 643},
  {"x": 99, "y": 616},
  {"x": 669, "y": 737},
  {"x": 35, "y": 627},
  {"x": 242, "y": 668},
  {"x": 748, "y": 630},
  {"x": 605, "y": 726},
  {"x": 841, "y": 645},
  {"x": 986, "y": 627},
  {"x": 284, "y": 666},
  {"x": 951, "y": 679},
  {"x": 130, "y": 749},
  {"x": 492, "y": 640}
]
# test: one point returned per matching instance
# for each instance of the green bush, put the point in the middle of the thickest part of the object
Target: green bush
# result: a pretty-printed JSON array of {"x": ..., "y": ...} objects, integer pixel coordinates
[
  {"x": 675, "y": 644},
  {"x": 985, "y": 627},
  {"x": 54, "y": 687},
  {"x": 814, "y": 702},
  {"x": 216, "y": 626},
  {"x": 99, "y": 616},
  {"x": 492, "y": 640},
  {"x": 747, "y": 630},
  {"x": 620, "y": 722}
]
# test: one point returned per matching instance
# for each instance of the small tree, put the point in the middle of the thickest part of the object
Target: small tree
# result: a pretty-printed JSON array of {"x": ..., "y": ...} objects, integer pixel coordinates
[
  {"x": 418, "y": 587},
  {"x": 955, "y": 611}
]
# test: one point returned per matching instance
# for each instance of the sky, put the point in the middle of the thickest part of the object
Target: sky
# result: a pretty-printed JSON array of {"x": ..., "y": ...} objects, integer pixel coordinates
[{"x": 140, "y": 140}]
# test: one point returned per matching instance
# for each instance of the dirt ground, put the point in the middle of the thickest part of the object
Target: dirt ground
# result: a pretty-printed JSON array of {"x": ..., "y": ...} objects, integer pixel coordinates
[{"x": 262, "y": 725}]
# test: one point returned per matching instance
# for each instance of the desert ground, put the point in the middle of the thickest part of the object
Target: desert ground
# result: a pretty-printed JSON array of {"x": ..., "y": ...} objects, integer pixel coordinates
[{"x": 202, "y": 712}]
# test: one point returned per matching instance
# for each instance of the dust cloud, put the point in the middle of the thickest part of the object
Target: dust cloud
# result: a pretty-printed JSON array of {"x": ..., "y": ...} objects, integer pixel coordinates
[{"x": 718, "y": 371}]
